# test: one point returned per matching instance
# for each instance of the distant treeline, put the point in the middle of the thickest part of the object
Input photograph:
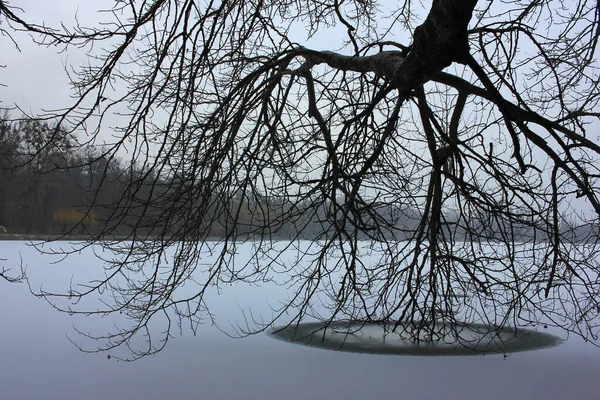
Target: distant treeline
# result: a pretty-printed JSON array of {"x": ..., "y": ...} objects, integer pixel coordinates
[
  {"x": 46, "y": 179},
  {"x": 51, "y": 184}
]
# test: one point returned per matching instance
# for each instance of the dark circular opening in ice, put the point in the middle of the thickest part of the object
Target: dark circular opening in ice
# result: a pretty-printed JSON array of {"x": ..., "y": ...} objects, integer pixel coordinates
[{"x": 376, "y": 338}]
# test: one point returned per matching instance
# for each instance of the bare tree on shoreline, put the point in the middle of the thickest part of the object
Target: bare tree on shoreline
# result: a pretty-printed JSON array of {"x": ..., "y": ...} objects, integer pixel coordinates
[{"x": 483, "y": 123}]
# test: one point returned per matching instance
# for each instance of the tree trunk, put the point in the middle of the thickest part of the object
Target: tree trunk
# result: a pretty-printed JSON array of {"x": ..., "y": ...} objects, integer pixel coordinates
[{"x": 441, "y": 40}]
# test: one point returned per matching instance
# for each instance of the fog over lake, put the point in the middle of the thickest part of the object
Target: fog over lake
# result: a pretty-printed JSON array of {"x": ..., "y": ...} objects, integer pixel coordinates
[{"x": 37, "y": 361}]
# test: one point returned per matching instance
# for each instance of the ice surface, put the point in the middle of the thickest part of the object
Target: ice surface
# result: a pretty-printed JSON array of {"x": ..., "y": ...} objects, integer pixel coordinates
[{"x": 38, "y": 362}]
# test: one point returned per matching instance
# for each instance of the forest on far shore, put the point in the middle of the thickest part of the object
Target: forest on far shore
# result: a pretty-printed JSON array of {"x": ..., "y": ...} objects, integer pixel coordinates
[
  {"x": 52, "y": 185},
  {"x": 47, "y": 180}
]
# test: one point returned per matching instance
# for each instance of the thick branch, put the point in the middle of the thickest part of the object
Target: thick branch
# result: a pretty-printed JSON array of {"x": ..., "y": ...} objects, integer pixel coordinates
[
  {"x": 441, "y": 40},
  {"x": 384, "y": 63}
]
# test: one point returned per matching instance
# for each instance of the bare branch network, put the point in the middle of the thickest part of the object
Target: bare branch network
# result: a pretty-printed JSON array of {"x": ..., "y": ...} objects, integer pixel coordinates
[{"x": 467, "y": 160}]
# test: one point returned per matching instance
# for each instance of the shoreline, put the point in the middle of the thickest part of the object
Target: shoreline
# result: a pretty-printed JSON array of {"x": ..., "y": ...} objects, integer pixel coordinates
[{"x": 48, "y": 237}]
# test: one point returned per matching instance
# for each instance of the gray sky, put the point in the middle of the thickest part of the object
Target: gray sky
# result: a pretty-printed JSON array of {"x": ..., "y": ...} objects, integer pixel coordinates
[{"x": 35, "y": 77}]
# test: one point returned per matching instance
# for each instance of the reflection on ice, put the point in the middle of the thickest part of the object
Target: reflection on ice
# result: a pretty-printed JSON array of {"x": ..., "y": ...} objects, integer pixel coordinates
[{"x": 464, "y": 339}]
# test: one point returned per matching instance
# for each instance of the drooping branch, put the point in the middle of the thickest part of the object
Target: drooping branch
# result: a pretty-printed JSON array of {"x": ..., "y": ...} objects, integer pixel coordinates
[{"x": 254, "y": 150}]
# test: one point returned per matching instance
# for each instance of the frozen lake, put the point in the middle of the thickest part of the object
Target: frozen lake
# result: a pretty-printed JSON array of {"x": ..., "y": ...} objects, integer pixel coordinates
[{"x": 38, "y": 362}]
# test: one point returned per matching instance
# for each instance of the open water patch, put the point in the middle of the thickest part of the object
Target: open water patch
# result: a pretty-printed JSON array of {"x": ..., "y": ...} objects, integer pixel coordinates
[{"x": 464, "y": 339}]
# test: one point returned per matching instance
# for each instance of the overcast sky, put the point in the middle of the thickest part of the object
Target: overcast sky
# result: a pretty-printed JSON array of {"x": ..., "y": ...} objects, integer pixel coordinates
[{"x": 34, "y": 75}]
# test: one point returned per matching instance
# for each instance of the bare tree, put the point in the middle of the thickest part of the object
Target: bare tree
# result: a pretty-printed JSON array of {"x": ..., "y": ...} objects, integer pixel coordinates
[{"x": 466, "y": 157}]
